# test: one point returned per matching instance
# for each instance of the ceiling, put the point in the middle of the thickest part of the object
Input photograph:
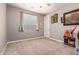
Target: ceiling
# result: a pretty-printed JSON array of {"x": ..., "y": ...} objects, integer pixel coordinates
[{"x": 42, "y": 8}]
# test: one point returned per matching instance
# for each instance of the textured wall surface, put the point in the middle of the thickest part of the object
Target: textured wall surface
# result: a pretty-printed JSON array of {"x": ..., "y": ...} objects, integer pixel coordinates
[
  {"x": 13, "y": 17},
  {"x": 2, "y": 26}
]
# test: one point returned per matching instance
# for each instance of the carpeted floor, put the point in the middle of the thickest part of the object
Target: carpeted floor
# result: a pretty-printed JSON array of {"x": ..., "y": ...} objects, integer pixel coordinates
[{"x": 41, "y": 46}]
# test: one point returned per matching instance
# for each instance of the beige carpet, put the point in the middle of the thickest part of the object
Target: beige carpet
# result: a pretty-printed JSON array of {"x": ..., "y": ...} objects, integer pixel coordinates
[{"x": 40, "y": 46}]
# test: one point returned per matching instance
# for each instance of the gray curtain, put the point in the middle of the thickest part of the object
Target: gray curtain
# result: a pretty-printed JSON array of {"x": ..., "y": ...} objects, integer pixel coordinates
[
  {"x": 21, "y": 23},
  {"x": 37, "y": 25}
]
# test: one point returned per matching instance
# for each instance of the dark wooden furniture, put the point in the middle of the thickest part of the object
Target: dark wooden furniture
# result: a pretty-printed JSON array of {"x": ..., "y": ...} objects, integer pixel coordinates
[
  {"x": 78, "y": 38},
  {"x": 69, "y": 41}
]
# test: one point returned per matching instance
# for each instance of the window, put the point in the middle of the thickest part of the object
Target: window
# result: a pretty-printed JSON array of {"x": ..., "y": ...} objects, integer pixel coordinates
[{"x": 28, "y": 22}]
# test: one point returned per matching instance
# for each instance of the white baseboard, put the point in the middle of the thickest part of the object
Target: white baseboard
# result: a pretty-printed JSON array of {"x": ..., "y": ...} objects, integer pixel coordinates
[
  {"x": 57, "y": 40},
  {"x": 3, "y": 50},
  {"x": 23, "y": 40}
]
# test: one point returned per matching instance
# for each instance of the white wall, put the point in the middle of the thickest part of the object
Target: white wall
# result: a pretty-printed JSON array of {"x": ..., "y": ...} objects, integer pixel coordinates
[
  {"x": 2, "y": 26},
  {"x": 13, "y": 20},
  {"x": 47, "y": 26},
  {"x": 57, "y": 29}
]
